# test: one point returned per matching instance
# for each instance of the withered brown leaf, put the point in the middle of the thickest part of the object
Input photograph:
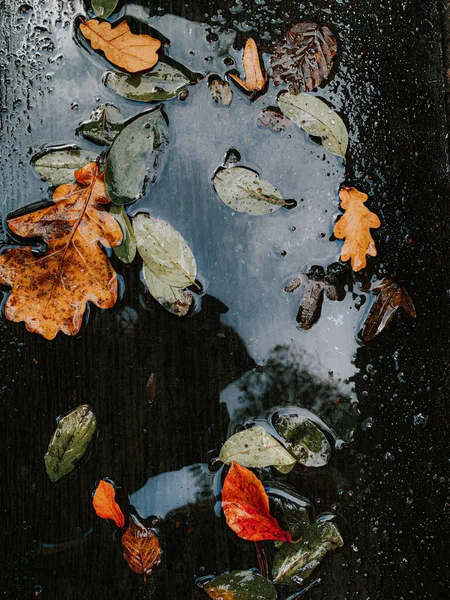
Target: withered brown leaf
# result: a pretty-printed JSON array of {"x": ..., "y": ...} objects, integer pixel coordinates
[
  {"x": 305, "y": 58},
  {"x": 390, "y": 297},
  {"x": 141, "y": 548}
]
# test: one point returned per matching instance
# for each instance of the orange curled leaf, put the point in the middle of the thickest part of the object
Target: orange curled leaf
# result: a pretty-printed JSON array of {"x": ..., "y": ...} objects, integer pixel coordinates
[
  {"x": 50, "y": 290},
  {"x": 105, "y": 504},
  {"x": 355, "y": 227},
  {"x": 246, "y": 507},
  {"x": 255, "y": 81},
  {"x": 141, "y": 549},
  {"x": 126, "y": 50}
]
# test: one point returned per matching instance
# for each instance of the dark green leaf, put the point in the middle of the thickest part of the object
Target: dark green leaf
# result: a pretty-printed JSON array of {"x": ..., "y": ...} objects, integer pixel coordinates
[
  {"x": 104, "y": 8},
  {"x": 302, "y": 558},
  {"x": 103, "y": 126},
  {"x": 162, "y": 83},
  {"x": 57, "y": 165},
  {"x": 304, "y": 439},
  {"x": 135, "y": 156},
  {"x": 241, "y": 585},
  {"x": 70, "y": 441},
  {"x": 292, "y": 517},
  {"x": 127, "y": 249}
]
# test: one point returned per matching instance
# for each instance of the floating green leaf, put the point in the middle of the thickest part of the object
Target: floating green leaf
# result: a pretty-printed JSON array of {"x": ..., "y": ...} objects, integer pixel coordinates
[
  {"x": 242, "y": 190},
  {"x": 174, "y": 299},
  {"x": 302, "y": 558},
  {"x": 241, "y": 585},
  {"x": 135, "y": 156},
  {"x": 127, "y": 249},
  {"x": 256, "y": 448},
  {"x": 70, "y": 441},
  {"x": 304, "y": 439},
  {"x": 57, "y": 165},
  {"x": 103, "y": 126},
  {"x": 162, "y": 83},
  {"x": 315, "y": 117},
  {"x": 104, "y": 8}
]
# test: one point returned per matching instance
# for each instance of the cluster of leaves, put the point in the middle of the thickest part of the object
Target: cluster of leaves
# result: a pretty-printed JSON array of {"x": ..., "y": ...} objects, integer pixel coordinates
[{"x": 300, "y": 545}]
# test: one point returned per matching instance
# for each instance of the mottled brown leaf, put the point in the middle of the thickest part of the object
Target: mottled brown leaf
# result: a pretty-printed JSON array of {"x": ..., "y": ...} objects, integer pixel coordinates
[
  {"x": 391, "y": 296},
  {"x": 305, "y": 58},
  {"x": 141, "y": 548},
  {"x": 150, "y": 388}
]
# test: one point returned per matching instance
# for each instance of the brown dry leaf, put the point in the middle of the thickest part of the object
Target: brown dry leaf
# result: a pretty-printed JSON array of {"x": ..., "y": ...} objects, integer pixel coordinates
[
  {"x": 255, "y": 81},
  {"x": 126, "y": 50},
  {"x": 141, "y": 548},
  {"x": 105, "y": 505},
  {"x": 50, "y": 290},
  {"x": 355, "y": 227},
  {"x": 391, "y": 296},
  {"x": 305, "y": 59}
]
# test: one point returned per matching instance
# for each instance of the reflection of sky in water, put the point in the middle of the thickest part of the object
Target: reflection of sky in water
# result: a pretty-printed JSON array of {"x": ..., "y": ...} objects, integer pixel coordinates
[{"x": 174, "y": 489}]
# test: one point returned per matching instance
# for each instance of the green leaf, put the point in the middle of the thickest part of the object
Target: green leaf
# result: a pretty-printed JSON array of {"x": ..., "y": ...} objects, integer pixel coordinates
[
  {"x": 241, "y": 585},
  {"x": 103, "y": 126},
  {"x": 57, "y": 165},
  {"x": 164, "y": 251},
  {"x": 302, "y": 558},
  {"x": 127, "y": 249},
  {"x": 315, "y": 117},
  {"x": 304, "y": 439},
  {"x": 70, "y": 441},
  {"x": 256, "y": 448},
  {"x": 162, "y": 83},
  {"x": 174, "y": 299},
  {"x": 242, "y": 190},
  {"x": 104, "y": 8},
  {"x": 135, "y": 156},
  {"x": 291, "y": 516}
]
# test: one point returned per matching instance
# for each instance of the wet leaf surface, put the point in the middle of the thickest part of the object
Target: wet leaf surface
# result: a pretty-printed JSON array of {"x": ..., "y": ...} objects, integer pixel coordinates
[
  {"x": 305, "y": 59},
  {"x": 70, "y": 441},
  {"x": 105, "y": 505},
  {"x": 305, "y": 440},
  {"x": 126, "y": 50},
  {"x": 174, "y": 299},
  {"x": 292, "y": 516},
  {"x": 354, "y": 226},
  {"x": 302, "y": 558},
  {"x": 141, "y": 548},
  {"x": 246, "y": 507},
  {"x": 51, "y": 290},
  {"x": 390, "y": 297},
  {"x": 126, "y": 251},
  {"x": 242, "y": 190},
  {"x": 221, "y": 92},
  {"x": 103, "y": 126},
  {"x": 104, "y": 8},
  {"x": 274, "y": 119},
  {"x": 57, "y": 165},
  {"x": 241, "y": 585},
  {"x": 135, "y": 156},
  {"x": 255, "y": 80},
  {"x": 162, "y": 83},
  {"x": 254, "y": 448},
  {"x": 317, "y": 119}
]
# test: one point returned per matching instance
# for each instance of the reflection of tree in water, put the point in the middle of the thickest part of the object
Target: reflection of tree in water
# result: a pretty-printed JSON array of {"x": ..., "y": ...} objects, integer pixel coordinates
[{"x": 288, "y": 378}]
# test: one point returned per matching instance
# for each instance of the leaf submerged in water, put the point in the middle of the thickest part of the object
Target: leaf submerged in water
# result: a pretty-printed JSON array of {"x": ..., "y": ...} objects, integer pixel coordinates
[
  {"x": 305, "y": 440},
  {"x": 241, "y": 585},
  {"x": 103, "y": 126},
  {"x": 141, "y": 548}
]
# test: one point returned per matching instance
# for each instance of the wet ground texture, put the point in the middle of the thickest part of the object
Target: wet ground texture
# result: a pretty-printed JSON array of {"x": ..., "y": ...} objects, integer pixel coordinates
[{"x": 240, "y": 354}]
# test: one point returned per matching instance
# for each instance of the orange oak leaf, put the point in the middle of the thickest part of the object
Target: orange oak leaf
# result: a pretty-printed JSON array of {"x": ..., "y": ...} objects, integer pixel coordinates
[
  {"x": 50, "y": 290},
  {"x": 255, "y": 81},
  {"x": 246, "y": 507},
  {"x": 355, "y": 227},
  {"x": 141, "y": 548},
  {"x": 105, "y": 504},
  {"x": 126, "y": 50}
]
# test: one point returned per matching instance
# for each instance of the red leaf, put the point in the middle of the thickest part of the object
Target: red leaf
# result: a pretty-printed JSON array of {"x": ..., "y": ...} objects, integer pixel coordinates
[
  {"x": 105, "y": 504},
  {"x": 141, "y": 548},
  {"x": 246, "y": 507}
]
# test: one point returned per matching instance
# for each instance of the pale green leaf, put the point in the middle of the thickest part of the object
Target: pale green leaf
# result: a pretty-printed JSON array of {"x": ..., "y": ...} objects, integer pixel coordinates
[
  {"x": 57, "y": 165},
  {"x": 241, "y": 585},
  {"x": 127, "y": 249},
  {"x": 302, "y": 558},
  {"x": 315, "y": 117},
  {"x": 162, "y": 83},
  {"x": 104, "y": 8},
  {"x": 164, "y": 251},
  {"x": 135, "y": 156},
  {"x": 254, "y": 448},
  {"x": 242, "y": 190},
  {"x": 174, "y": 299},
  {"x": 70, "y": 441}
]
